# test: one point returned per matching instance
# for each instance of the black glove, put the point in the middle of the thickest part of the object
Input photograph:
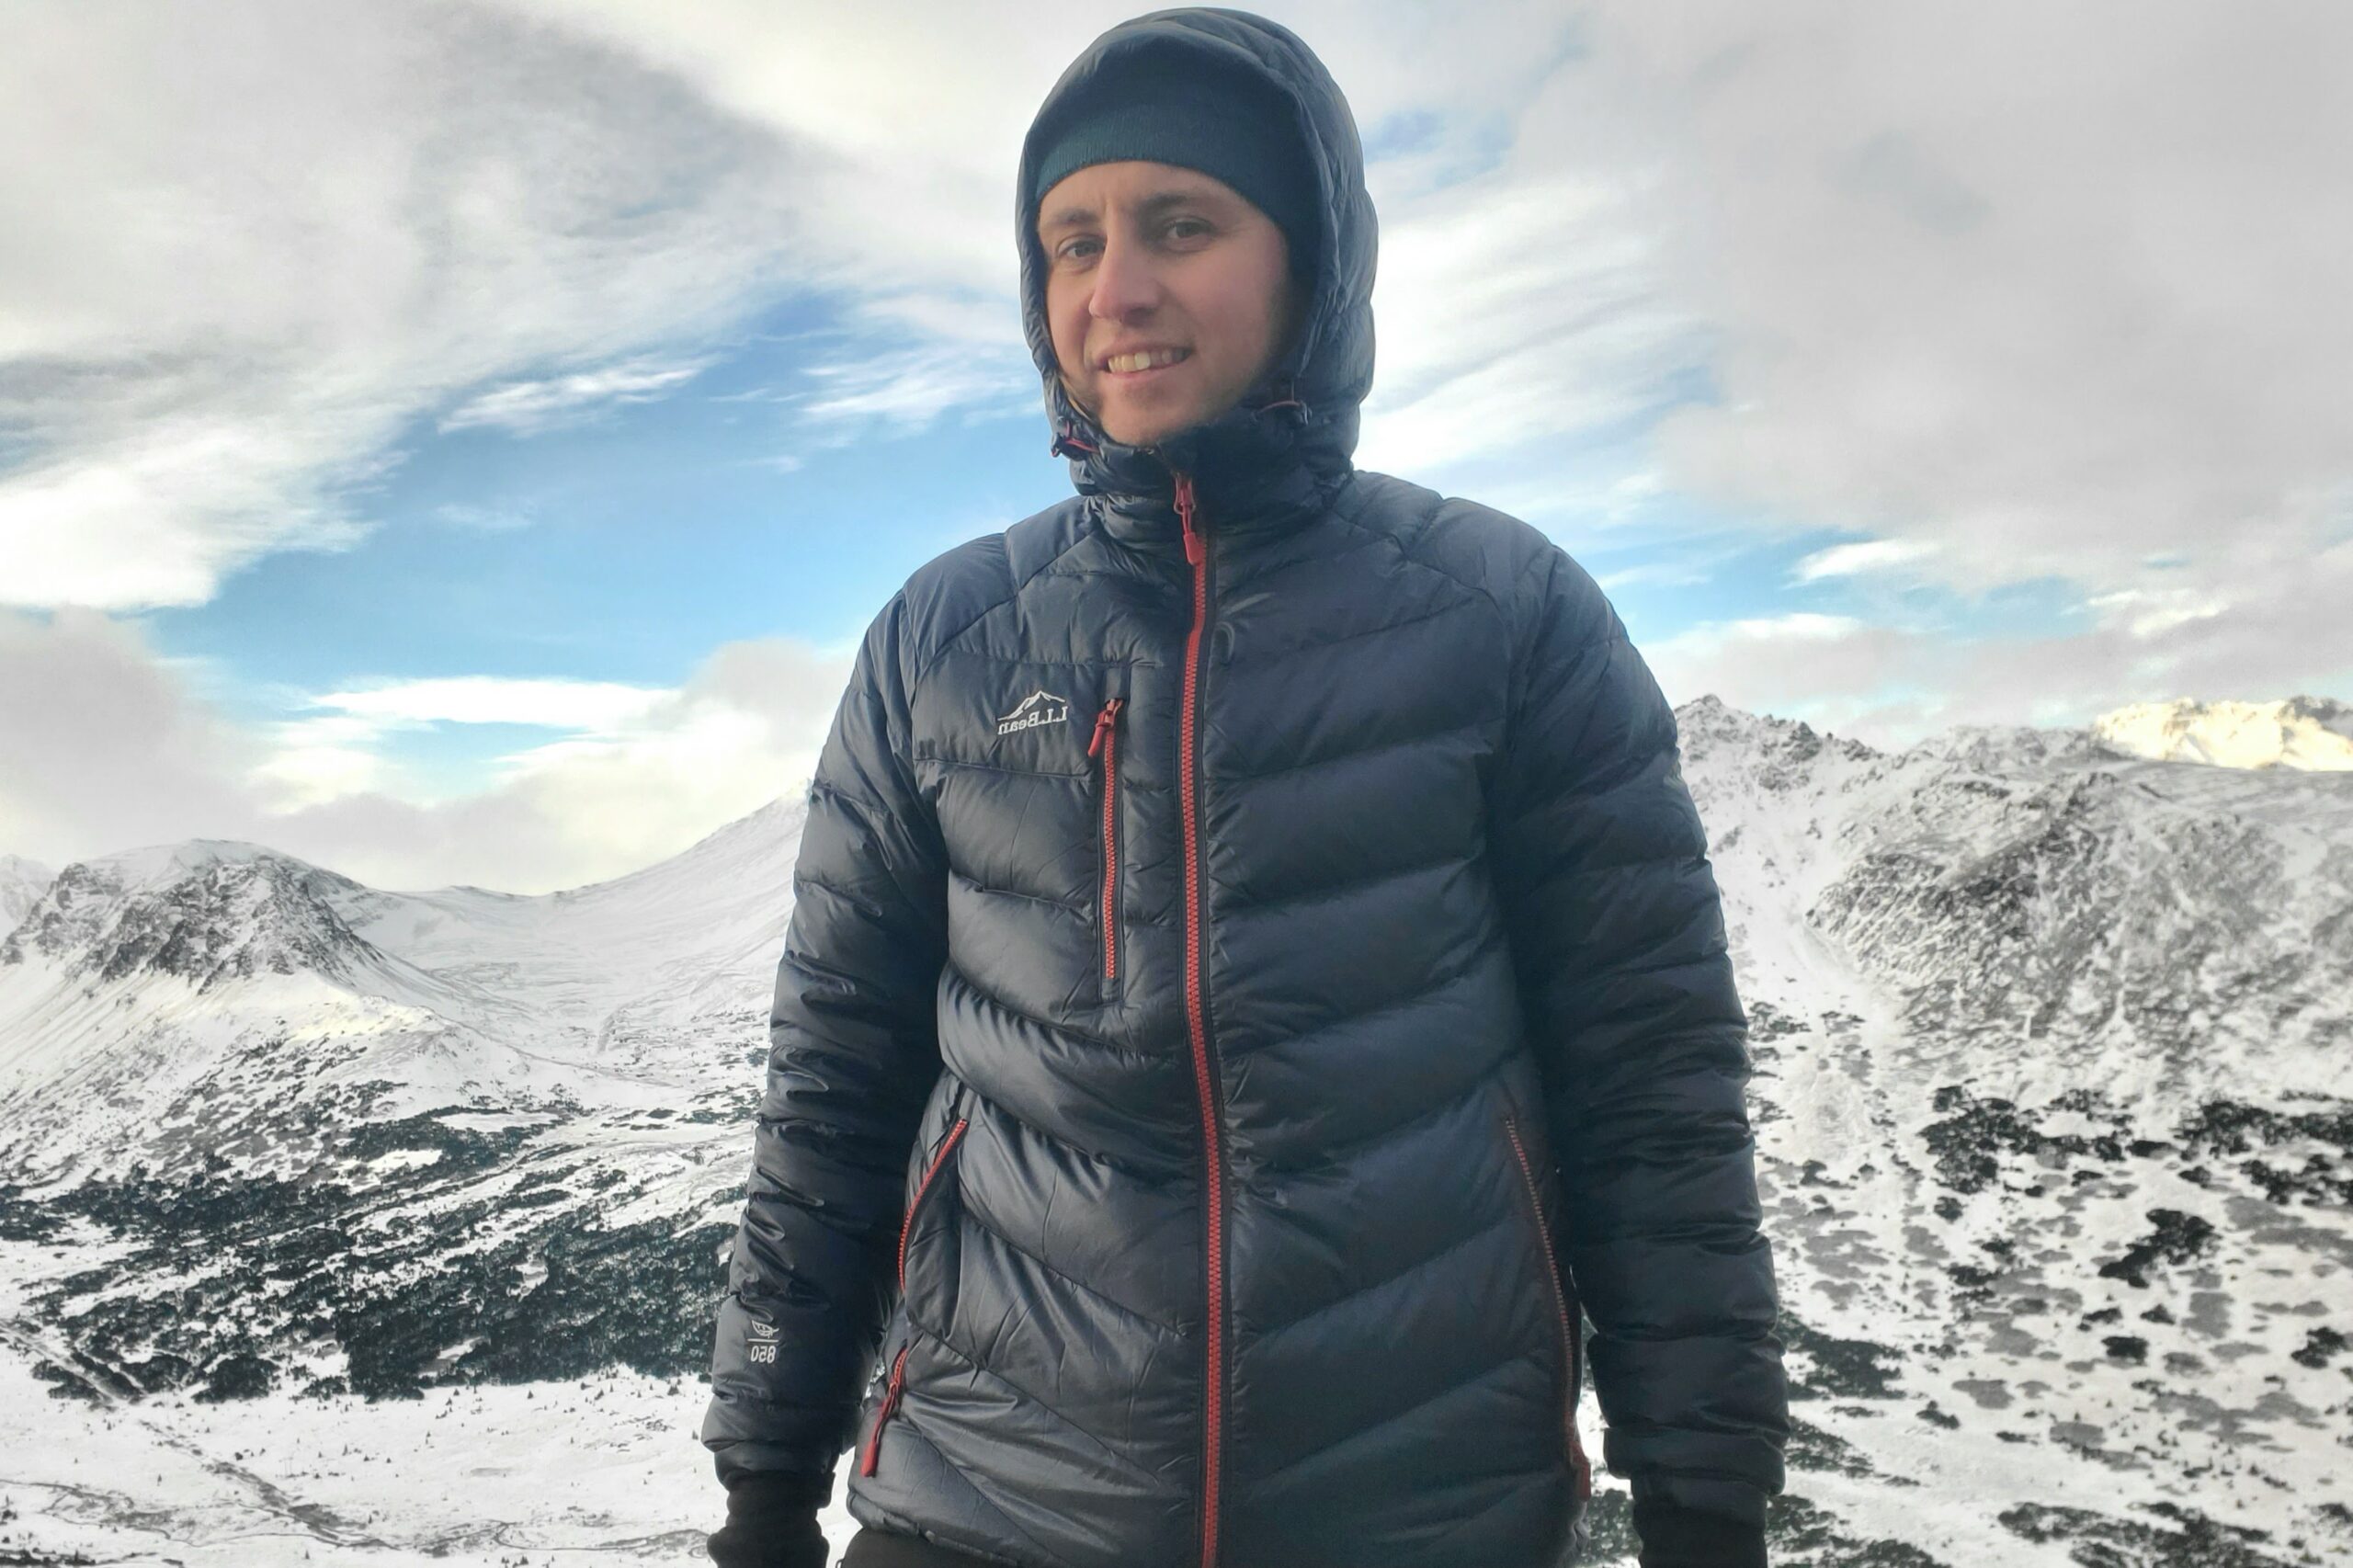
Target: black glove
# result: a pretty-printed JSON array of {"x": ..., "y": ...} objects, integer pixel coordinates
[
  {"x": 1685, "y": 1538},
  {"x": 772, "y": 1521}
]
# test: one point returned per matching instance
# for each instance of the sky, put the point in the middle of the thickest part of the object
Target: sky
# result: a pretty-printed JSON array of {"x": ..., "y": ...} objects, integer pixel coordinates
[{"x": 462, "y": 443}]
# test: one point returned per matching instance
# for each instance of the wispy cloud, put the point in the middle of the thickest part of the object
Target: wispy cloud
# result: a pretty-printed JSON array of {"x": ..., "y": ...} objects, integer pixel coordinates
[
  {"x": 908, "y": 388},
  {"x": 484, "y": 519},
  {"x": 147, "y": 508},
  {"x": 524, "y": 408},
  {"x": 1670, "y": 572},
  {"x": 601, "y": 705},
  {"x": 1515, "y": 310},
  {"x": 1864, "y": 555}
]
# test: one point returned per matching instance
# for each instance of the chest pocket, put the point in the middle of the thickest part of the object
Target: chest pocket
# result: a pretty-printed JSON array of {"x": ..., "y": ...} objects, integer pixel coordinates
[
  {"x": 1029, "y": 768},
  {"x": 1104, "y": 748}
]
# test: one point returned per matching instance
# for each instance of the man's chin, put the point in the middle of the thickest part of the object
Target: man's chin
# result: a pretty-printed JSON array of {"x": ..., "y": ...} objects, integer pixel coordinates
[
  {"x": 1131, "y": 429},
  {"x": 1144, "y": 433}
]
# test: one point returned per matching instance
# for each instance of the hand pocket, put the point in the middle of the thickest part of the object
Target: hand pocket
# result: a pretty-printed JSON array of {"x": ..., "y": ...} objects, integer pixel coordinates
[{"x": 1564, "y": 1307}]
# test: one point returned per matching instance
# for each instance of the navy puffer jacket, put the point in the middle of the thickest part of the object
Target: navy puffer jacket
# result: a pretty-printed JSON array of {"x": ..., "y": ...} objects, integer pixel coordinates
[{"x": 1255, "y": 974}]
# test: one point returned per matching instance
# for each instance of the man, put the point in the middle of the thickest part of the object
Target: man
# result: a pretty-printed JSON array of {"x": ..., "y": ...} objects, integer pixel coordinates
[{"x": 1255, "y": 972}]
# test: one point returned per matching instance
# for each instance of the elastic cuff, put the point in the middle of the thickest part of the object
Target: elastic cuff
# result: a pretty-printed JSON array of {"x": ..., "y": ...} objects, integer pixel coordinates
[
  {"x": 1742, "y": 1502},
  {"x": 767, "y": 1493},
  {"x": 1683, "y": 1538}
]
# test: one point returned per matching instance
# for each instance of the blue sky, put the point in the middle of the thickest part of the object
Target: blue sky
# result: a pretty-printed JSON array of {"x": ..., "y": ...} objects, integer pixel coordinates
[{"x": 460, "y": 444}]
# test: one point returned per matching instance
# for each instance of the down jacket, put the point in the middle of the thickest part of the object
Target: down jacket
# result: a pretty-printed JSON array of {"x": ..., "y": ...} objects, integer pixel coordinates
[{"x": 1255, "y": 981}]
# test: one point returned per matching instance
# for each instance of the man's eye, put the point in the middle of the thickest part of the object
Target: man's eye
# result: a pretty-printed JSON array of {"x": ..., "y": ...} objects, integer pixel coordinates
[{"x": 1188, "y": 223}]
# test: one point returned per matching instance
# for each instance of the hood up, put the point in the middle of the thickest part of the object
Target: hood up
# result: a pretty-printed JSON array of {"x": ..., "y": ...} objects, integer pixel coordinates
[{"x": 1280, "y": 449}]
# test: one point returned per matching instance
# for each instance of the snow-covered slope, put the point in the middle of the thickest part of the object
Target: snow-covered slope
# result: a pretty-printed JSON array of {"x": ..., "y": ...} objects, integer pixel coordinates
[
  {"x": 2054, "y": 1111},
  {"x": 2300, "y": 732},
  {"x": 2044, "y": 912},
  {"x": 2053, "y": 1105}
]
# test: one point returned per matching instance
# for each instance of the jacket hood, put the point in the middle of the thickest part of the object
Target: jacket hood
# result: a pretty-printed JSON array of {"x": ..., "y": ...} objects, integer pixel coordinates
[{"x": 1291, "y": 437}]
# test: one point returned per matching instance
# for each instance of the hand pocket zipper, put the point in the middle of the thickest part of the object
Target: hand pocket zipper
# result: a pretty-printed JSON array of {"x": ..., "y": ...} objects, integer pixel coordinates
[
  {"x": 899, "y": 1364},
  {"x": 1565, "y": 1310}
]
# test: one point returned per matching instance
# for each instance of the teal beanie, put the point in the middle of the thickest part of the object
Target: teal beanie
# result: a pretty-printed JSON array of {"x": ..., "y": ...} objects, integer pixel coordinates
[{"x": 1224, "y": 122}]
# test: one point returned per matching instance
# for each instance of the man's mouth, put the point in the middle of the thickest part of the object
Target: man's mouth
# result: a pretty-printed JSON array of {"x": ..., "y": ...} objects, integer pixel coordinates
[{"x": 1144, "y": 363}]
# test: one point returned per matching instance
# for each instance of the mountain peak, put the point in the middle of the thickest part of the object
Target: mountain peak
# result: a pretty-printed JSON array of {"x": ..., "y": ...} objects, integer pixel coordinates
[
  {"x": 2306, "y": 732},
  {"x": 1780, "y": 748},
  {"x": 207, "y": 910},
  {"x": 2003, "y": 748},
  {"x": 21, "y": 882}
]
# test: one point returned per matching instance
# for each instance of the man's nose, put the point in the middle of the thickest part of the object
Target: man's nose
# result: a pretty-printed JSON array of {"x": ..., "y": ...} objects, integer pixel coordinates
[{"x": 1125, "y": 280}]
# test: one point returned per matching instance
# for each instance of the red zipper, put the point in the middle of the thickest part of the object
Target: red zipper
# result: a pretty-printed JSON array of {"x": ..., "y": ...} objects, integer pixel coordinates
[
  {"x": 889, "y": 1403},
  {"x": 1578, "y": 1463},
  {"x": 1107, "y": 740},
  {"x": 899, "y": 1363},
  {"x": 1197, "y": 1014}
]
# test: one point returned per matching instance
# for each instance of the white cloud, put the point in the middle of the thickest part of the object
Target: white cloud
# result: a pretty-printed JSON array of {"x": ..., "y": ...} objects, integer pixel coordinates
[
  {"x": 110, "y": 747},
  {"x": 526, "y": 408},
  {"x": 1676, "y": 571},
  {"x": 1514, "y": 309},
  {"x": 1791, "y": 665},
  {"x": 596, "y": 706},
  {"x": 1863, "y": 555},
  {"x": 2144, "y": 612},
  {"x": 2040, "y": 293},
  {"x": 272, "y": 237},
  {"x": 1893, "y": 682},
  {"x": 100, "y": 732},
  {"x": 911, "y": 387},
  {"x": 315, "y": 760},
  {"x": 154, "y": 512}
]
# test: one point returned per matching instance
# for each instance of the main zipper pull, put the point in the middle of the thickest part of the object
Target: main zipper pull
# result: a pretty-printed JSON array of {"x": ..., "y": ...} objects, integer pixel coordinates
[
  {"x": 1193, "y": 546},
  {"x": 1103, "y": 722}
]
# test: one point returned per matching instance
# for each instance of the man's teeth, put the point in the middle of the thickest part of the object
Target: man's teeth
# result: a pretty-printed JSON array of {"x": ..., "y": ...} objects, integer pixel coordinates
[{"x": 1125, "y": 362}]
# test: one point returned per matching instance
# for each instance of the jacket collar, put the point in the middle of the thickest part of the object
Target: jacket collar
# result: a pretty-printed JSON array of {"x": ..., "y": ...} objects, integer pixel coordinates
[
  {"x": 1265, "y": 464},
  {"x": 1277, "y": 456}
]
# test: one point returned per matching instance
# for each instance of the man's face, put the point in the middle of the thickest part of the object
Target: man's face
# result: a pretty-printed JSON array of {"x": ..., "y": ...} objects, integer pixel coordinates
[{"x": 1145, "y": 255}]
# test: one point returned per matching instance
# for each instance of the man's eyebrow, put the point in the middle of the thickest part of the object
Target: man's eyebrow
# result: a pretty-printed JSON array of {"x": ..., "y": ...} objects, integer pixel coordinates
[{"x": 1157, "y": 203}]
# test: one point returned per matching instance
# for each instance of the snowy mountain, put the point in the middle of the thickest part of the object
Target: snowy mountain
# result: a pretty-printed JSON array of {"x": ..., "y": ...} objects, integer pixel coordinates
[
  {"x": 21, "y": 882},
  {"x": 265, "y": 1128},
  {"x": 2054, "y": 1104},
  {"x": 2056, "y": 1097},
  {"x": 160, "y": 1005},
  {"x": 2046, "y": 913},
  {"x": 2301, "y": 732}
]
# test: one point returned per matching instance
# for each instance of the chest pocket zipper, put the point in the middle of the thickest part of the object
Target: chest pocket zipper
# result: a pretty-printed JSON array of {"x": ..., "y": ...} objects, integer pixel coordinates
[
  {"x": 1105, "y": 745},
  {"x": 899, "y": 1365},
  {"x": 1565, "y": 1311}
]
